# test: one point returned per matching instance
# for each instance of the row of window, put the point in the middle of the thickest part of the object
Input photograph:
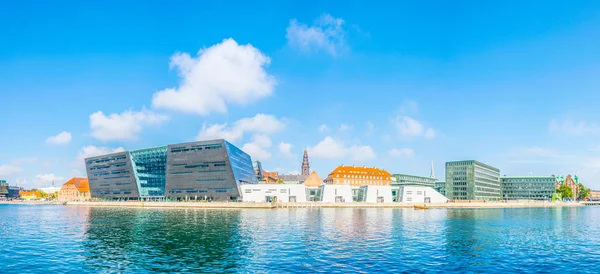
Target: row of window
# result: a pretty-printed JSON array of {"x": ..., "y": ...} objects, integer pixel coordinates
[
  {"x": 195, "y": 148},
  {"x": 110, "y": 159}
]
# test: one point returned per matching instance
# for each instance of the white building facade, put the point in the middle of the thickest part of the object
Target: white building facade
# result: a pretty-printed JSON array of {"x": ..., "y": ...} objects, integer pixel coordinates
[
  {"x": 284, "y": 193},
  {"x": 420, "y": 194},
  {"x": 336, "y": 193}
]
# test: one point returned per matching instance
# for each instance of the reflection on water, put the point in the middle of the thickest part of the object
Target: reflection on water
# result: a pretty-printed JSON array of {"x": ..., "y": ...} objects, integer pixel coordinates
[{"x": 80, "y": 239}]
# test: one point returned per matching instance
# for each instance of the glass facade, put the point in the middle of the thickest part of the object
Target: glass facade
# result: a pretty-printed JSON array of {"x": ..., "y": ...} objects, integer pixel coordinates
[
  {"x": 528, "y": 188},
  {"x": 440, "y": 187},
  {"x": 150, "y": 167},
  {"x": 472, "y": 180},
  {"x": 412, "y": 180},
  {"x": 241, "y": 165},
  {"x": 211, "y": 170}
]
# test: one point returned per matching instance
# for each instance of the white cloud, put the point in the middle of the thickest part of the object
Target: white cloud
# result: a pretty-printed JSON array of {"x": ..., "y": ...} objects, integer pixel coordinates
[
  {"x": 402, "y": 152},
  {"x": 430, "y": 133},
  {"x": 344, "y": 127},
  {"x": 409, "y": 127},
  {"x": 44, "y": 180},
  {"x": 92, "y": 151},
  {"x": 323, "y": 128},
  {"x": 329, "y": 148},
  {"x": 124, "y": 126},
  {"x": 285, "y": 149},
  {"x": 260, "y": 123},
  {"x": 62, "y": 138},
  {"x": 327, "y": 33},
  {"x": 370, "y": 129},
  {"x": 533, "y": 152},
  {"x": 574, "y": 128},
  {"x": 225, "y": 73},
  {"x": 219, "y": 131},
  {"x": 257, "y": 149},
  {"x": 9, "y": 170}
]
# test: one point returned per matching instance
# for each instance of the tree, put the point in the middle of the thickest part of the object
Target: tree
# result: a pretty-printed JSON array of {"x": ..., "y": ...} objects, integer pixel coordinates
[
  {"x": 565, "y": 191},
  {"x": 583, "y": 192}
]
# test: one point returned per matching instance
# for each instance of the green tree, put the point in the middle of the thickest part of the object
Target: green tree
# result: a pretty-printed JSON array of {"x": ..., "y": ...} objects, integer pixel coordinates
[
  {"x": 565, "y": 191},
  {"x": 583, "y": 192}
]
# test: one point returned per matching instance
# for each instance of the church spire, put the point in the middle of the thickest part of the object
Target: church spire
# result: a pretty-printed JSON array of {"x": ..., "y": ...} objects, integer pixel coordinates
[
  {"x": 432, "y": 173},
  {"x": 305, "y": 165}
]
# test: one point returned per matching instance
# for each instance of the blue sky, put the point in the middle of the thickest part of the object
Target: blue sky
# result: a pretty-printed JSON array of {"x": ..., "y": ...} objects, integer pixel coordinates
[{"x": 511, "y": 83}]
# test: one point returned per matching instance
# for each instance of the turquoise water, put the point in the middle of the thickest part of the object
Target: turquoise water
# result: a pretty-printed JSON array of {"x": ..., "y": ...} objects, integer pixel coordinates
[{"x": 59, "y": 239}]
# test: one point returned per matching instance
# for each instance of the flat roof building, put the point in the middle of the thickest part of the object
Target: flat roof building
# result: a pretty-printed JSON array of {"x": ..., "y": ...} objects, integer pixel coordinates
[
  {"x": 472, "y": 180},
  {"x": 413, "y": 180},
  {"x": 527, "y": 187},
  {"x": 211, "y": 170}
]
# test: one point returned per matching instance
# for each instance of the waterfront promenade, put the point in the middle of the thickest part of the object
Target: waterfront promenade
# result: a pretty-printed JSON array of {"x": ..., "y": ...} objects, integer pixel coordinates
[
  {"x": 225, "y": 205},
  {"x": 233, "y": 205}
]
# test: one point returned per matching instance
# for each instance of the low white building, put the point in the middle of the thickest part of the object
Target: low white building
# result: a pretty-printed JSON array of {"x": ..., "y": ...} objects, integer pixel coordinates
[
  {"x": 377, "y": 194},
  {"x": 420, "y": 194},
  {"x": 273, "y": 192},
  {"x": 336, "y": 193}
]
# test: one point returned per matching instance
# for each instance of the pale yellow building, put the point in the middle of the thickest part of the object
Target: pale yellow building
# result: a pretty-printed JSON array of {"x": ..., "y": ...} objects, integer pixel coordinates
[{"x": 76, "y": 189}]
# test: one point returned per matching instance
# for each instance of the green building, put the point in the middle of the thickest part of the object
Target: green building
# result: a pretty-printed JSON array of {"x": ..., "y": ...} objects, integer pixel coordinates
[
  {"x": 440, "y": 187},
  {"x": 413, "y": 180},
  {"x": 528, "y": 187},
  {"x": 472, "y": 180}
]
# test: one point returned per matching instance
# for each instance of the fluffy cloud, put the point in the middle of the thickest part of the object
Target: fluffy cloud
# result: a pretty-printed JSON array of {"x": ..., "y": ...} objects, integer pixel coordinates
[
  {"x": 409, "y": 127},
  {"x": 327, "y": 33},
  {"x": 9, "y": 170},
  {"x": 92, "y": 151},
  {"x": 402, "y": 152},
  {"x": 323, "y": 128},
  {"x": 62, "y": 138},
  {"x": 42, "y": 180},
  {"x": 260, "y": 123},
  {"x": 124, "y": 126},
  {"x": 285, "y": 149},
  {"x": 329, "y": 148},
  {"x": 226, "y": 73},
  {"x": 257, "y": 149},
  {"x": 574, "y": 128},
  {"x": 344, "y": 127}
]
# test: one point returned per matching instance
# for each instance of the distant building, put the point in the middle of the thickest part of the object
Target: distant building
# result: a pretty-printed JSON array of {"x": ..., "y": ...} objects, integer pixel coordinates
[
  {"x": 258, "y": 170},
  {"x": 76, "y": 189},
  {"x": 472, "y": 180},
  {"x": 3, "y": 189},
  {"x": 274, "y": 193},
  {"x": 298, "y": 178},
  {"x": 440, "y": 187},
  {"x": 30, "y": 195},
  {"x": 571, "y": 181},
  {"x": 375, "y": 194},
  {"x": 313, "y": 185},
  {"x": 527, "y": 187},
  {"x": 357, "y": 176},
  {"x": 594, "y": 195},
  {"x": 336, "y": 193},
  {"x": 212, "y": 170},
  {"x": 413, "y": 180}
]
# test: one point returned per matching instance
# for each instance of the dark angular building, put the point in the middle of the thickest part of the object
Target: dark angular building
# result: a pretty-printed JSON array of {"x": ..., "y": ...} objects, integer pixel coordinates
[{"x": 201, "y": 170}]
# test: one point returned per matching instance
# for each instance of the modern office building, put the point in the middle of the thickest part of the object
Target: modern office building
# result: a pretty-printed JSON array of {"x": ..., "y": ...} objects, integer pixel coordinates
[
  {"x": 472, "y": 180},
  {"x": 357, "y": 176},
  {"x": 3, "y": 189},
  {"x": 413, "y": 180},
  {"x": 527, "y": 187},
  {"x": 211, "y": 170},
  {"x": 440, "y": 187}
]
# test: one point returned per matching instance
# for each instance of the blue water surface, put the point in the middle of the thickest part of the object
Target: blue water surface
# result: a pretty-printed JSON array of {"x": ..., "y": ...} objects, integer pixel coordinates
[{"x": 64, "y": 239}]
